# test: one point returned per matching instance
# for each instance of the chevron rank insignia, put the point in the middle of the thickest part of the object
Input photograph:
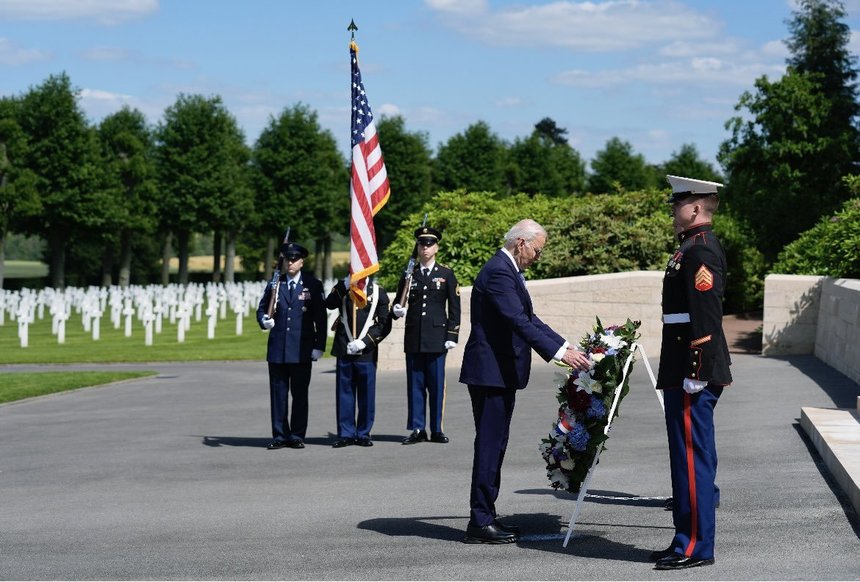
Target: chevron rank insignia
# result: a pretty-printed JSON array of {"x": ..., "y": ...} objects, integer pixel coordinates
[{"x": 704, "y": 279}]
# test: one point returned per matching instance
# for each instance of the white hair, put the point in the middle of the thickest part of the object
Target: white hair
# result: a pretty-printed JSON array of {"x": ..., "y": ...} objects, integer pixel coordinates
[{"x": 526, "y": 229}]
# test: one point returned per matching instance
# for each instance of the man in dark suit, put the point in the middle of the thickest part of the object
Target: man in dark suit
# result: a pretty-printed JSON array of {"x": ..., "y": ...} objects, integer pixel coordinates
[
  {"x": 297, "y": 337},
  {"x": 497, "y": 363},
  {"x": 432, "y": 328},
  {"x": 356, "y": 338},
  {"x": 694, "y": 368}
]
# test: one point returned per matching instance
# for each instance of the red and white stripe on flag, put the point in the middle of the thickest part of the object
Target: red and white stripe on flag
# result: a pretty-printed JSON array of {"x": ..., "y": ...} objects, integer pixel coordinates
[{"x": 368, "y": 188}]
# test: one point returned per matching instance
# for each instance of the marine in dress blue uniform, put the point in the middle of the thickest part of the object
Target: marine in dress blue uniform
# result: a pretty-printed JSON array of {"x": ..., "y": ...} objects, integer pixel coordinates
[
  {"x": 356, "y": 353},
  {"x": 497, "y": 363},
  {"x": 432, "y": 328},
  {"x": 694, "y": 368},
  {"x": 297, "y": 337}
]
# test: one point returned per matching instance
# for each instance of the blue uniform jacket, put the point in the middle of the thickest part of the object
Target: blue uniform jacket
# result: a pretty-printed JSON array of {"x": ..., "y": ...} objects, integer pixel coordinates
[
  {"x": 300, "y": 324},
  {"x": 504, "y": 329}
]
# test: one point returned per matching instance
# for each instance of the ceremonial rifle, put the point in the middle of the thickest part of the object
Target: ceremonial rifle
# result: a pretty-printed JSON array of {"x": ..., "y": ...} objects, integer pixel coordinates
[
  {"x": 410, "y": 266},
  {"x": 275, "y": 283}
]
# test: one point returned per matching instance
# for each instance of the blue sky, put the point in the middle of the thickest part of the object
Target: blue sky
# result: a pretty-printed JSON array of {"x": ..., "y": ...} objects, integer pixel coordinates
[{"x": 656, "y": 73}]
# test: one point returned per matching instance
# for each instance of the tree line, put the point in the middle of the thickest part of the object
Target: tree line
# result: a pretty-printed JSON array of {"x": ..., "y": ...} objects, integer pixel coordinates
[{"x": 114, "y": 200}]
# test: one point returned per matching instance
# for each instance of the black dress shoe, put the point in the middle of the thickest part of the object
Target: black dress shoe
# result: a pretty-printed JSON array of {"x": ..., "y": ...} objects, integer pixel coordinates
[
  {"x": 277, "y": 445},
  {"x": 489, "y": 534},
  {"x": 660, "y": 554},
  {"x": 680, "y": 561},
  {"x": 417, "y": 436},
  {"x": 364, "y": 442},
  {"x": 514, "y": 529},
  {"x": 439, "y": 437},
  {"x": 340, "y": 443},
  {"x": 296, "y": 444}
]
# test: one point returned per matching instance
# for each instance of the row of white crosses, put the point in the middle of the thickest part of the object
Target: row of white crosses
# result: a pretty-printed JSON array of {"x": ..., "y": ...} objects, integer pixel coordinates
[{"x": 134, "y": 305}]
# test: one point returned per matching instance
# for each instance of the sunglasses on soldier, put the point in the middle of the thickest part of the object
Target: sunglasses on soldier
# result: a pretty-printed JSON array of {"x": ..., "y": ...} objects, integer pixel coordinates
[{"x": 426, "y": 242}]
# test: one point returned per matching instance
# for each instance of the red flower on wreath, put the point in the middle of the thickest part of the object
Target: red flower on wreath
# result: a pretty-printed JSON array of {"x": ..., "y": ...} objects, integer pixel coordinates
[{"x": 578, "y": 400}]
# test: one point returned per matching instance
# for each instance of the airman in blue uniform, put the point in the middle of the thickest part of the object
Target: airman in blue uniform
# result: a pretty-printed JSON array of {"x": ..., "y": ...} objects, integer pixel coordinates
[{"x": 297, "y": 337}]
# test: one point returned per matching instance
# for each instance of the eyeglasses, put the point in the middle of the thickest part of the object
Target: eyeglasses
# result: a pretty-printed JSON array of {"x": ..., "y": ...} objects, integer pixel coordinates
[
  {"x": 426, "y": 242},
  {"x": 536, "y": 250}
]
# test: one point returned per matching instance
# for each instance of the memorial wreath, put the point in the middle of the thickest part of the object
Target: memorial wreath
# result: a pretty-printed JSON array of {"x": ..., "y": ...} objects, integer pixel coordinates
[{"x": 586, "y": 400}]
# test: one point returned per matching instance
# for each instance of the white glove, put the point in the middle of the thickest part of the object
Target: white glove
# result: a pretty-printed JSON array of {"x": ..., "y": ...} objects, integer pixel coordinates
[
  {"x": 355, "y": 347},
  {"x": 398, "y": 310},
  {"x": 268, "y": 322},
  {"x": 449, "y": 345},
  {"x": 316, "y": 355},
  {"x": 346, "y": 281},
  {"x": 692, "y": 386}
]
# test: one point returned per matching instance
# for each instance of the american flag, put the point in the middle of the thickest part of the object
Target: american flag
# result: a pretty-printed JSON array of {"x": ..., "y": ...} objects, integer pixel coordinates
[{"x": 368, "y": 188}]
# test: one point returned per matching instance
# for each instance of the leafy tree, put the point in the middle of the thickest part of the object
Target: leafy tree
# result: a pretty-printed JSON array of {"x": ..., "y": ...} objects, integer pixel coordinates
[
  {"x": 408, "y": 162},
  {"x": 18, "y": 198},
  {"x": 796, "y": 137},
  {"x": 545, "y": 163},
  {"x": 617, "y": 166},
  {"x": 63, "y": 154},
  {"x": 127, "y": 150},
  {"x": 197, "y": 157},
  {"x": 301, "y": 182},
  {"x": 831, "y": 247},
  {"x": 473, "y": 160},
  {"x": 686, "y": 162}
]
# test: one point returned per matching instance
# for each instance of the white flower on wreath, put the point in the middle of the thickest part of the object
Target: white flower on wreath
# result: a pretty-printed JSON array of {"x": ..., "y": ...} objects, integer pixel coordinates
[
  {"x": 597, "y": 357},
  {"x": 560, "y": 379},
  {"x": 585, "y": 383},
  {"x": 567, "y": 464},
  {"x": 613, "y": 342},
  {"x": 556, "y": 475}
]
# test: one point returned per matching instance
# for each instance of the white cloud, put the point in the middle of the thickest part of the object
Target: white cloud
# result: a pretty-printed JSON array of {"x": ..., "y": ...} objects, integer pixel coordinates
[
  {"x": 698, "y": 72},
  {"x": 13, "y": 55},
  {"x": 102, "y": 11},
  {"x": 105, "y": 53},
  {"x": 508, "y": 102},
  {"x": 388, "y": 109},
  {"x": 584, "y": 26}
]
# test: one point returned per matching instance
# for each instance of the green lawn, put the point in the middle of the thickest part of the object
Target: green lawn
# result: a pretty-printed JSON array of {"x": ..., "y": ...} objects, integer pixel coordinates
[
  {"x": 25, "y": 270},
  {"x": 115, "y": 347},
  {"x": 19, "y": 385}
]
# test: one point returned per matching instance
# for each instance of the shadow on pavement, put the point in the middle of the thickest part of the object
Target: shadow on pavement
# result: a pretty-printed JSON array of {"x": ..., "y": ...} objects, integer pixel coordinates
[
  {"x": 420, "y": 527},
  {"x": 841, "y": 389}
]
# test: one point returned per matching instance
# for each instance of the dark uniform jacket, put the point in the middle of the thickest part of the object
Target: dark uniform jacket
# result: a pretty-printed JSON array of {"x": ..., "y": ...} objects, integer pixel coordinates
[
  {"x": 300, "y": 323},
  {"x": 428, "y": 323},
  {"x": 380, "y": 327},
  {"x": 694, "y": 284}
]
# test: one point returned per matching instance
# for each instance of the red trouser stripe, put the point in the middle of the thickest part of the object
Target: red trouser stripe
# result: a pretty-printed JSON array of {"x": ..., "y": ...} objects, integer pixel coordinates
[{"x": 691, "y": 476}]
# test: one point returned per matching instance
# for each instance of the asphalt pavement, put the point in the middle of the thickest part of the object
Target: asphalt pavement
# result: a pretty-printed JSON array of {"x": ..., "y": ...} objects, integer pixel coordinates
[{"x": 169, "y": 478}]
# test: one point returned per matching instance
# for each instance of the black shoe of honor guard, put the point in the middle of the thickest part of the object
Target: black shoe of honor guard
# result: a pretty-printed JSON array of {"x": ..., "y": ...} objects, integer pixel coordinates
[
  {"x": 489, "y": 534},
  {"x": 439, "y": 437},
  {"x": 660, "y": 554},
  {"x": 680, "y": 561},
  {"x": 340, "y": 443},
  {"x": 417, "y": 436},
  {"x": 514, "y": 529}
]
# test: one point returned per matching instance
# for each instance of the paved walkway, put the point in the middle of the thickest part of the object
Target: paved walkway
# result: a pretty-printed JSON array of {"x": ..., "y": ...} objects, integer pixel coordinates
[{"x": 169, "y": 478}]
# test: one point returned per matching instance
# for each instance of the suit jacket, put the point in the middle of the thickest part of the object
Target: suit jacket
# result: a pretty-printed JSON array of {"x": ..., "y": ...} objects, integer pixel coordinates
[
  {"x": 380, "y": 327},
  {"x": 694, "y": 284},
  {"x": 433, "y": 312},
  {"x": 300, "y": 321},
  {"x": 504, "y": 329}
]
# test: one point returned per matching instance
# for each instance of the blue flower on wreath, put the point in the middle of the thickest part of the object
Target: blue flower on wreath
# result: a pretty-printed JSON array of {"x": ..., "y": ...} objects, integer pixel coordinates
[
  {"x": 578, "y": 437},
  {"x": 597, "y": 409},
  {"x": 558, "y": 454}
]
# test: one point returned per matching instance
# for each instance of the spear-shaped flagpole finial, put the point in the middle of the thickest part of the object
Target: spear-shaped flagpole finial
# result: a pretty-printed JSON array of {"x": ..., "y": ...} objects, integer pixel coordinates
[{"x": 352, "y": 27}]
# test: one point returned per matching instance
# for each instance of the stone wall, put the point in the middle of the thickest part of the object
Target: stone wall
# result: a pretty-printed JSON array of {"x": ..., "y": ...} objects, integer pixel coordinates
[
  {"x": 790, "y": 320},
  {"x": 568, "y": 305},
  {"x": 837, "y": 342},
  {"x": 813, "y": 315}
]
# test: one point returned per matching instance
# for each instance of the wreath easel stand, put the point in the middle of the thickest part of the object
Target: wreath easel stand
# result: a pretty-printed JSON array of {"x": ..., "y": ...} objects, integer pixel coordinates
[{"x": 584, "y": 488}]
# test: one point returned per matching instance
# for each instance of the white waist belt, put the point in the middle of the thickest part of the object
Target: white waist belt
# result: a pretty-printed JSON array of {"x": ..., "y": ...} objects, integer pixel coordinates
[{"x": 676, "y": 318}]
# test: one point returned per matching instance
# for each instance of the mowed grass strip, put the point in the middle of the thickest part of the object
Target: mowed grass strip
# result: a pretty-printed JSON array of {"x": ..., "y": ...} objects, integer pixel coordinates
[
  {"x": 113, "y": 346},
  {"x": 20, "y": 385}
]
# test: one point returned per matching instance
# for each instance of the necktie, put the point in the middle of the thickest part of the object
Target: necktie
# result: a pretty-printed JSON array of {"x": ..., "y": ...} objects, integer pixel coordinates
[
  {"x": 292, "y": 290},
  {"x": 425, "y": 271}
]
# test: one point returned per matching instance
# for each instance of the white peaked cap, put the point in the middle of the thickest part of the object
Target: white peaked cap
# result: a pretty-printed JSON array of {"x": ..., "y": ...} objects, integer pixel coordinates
[{"x": 680, "y": 185}]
